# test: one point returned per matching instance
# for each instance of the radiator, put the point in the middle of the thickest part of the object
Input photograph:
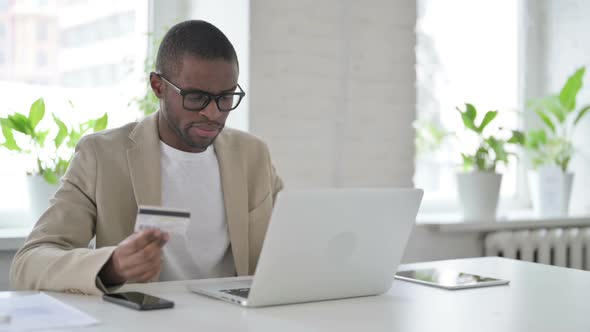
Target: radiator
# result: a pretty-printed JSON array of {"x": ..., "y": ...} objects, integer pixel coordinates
[{"x": 566, "y": 247}]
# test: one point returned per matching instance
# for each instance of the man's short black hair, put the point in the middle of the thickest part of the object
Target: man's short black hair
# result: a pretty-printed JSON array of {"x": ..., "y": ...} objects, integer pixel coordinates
[{"x": 196, "y": 38}]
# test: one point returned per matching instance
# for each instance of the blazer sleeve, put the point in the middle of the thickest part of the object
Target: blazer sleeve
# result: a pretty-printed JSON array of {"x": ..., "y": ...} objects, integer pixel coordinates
[{"x": 55, "y": 255}]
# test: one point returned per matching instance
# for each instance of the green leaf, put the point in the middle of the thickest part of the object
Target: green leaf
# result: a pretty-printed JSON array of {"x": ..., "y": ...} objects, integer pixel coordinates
[
  {"x": 555, "y": 107},
  {"x": 62, "y": 166},
  {"x": 36, "y": 113},
  {"x": 62, "y": 133},
  {"x": 74, "y": 137},
  {"x": 546, "y": 120},
  {"x": 550, "y": 105},
  {"x": 471, "y": 111},
  {"x": 6, "y": 123},
  {"x": 481, "y": 159},
  {"x": 535, "y": 139},
  {"x": 581, "y": 114},
  {"x": 498, "y": 147},
  {"x": 50, "y": 176},
  {"x": 469, "y": 116},
  {"x": 564, "y": 164},
  {"x": 40, "y": 137},
  {"x": 101, "y": 123},
  {"x": 490, "y": 115},
  {"x": 569, "y": 92},
  {"x": 518, "y": 137},
  {"x": 149, "y": 102},
  {"x": 11, "y": 146},
  {"x": 468, "y": 161},
  {"x": 9, "y": 141},
  {"x": 20, "y": 123}
]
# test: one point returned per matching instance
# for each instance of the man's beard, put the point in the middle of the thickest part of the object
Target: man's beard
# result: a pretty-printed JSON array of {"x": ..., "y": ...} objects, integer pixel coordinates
[
  {"x": 183, "y": 132},
  {"x": 203, "y": 144}
]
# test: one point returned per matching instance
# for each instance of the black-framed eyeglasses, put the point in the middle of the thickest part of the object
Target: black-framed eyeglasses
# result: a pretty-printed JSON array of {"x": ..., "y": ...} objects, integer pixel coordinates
[{"x": 196, "y": 100}]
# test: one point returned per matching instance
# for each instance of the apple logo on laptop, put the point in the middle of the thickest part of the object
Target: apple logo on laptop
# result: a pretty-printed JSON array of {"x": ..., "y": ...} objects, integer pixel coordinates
[{"x": 342, "y": 246}]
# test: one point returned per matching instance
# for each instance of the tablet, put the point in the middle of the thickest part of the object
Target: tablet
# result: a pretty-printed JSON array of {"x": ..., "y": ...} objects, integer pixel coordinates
[{"x": 448, "y": 278}]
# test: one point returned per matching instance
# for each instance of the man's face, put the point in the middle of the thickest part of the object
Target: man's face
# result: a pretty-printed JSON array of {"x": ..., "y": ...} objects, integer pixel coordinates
[{"x": 189, "y": 130}]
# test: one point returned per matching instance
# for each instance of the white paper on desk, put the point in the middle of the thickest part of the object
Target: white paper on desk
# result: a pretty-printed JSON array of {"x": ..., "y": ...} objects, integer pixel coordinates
[
  {"x": 41, "y": 311},
  {"x": 173, "y": 221}
]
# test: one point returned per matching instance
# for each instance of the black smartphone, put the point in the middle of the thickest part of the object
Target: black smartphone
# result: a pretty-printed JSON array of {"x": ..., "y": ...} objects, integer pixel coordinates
[{"x": 138, "y": 301}]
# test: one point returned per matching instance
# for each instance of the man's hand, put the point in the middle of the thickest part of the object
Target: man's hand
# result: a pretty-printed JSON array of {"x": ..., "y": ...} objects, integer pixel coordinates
[{"x": 137, "y": 258}]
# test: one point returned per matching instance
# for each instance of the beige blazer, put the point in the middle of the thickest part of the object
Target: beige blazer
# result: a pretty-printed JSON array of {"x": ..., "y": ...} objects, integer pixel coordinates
[{"x": 113, "y": 172}]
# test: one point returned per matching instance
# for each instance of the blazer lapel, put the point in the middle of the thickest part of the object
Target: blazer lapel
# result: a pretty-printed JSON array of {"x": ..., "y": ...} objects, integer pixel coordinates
[
  {"x": 235, "y": 196},
  {"x": 143, "y": 159}
]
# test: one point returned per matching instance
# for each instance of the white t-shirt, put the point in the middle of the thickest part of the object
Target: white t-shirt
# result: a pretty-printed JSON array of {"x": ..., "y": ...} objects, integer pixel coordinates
[{"x": 192, "y": 181}]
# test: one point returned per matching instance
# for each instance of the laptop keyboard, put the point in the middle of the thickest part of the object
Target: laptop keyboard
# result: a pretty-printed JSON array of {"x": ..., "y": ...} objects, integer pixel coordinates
[{"x": 241, "y": 292}]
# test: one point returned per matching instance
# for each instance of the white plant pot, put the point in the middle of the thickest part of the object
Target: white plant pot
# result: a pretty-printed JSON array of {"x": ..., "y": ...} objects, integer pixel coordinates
[
  {"x": 550, "y": 190},
  {"x": 40, "y": 192},
  {"x": 479, "y": 193}
]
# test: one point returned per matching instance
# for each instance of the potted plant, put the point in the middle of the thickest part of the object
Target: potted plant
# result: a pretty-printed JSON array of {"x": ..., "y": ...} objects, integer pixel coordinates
[
  {"x": 550, "y": 148},
  {"x": 479, "y": 182},
  {"x": 48, "y": 161}
]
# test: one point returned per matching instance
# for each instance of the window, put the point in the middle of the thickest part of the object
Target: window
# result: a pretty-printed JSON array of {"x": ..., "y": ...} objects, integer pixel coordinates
[
  {"x": 42, "y": 27},
  {"x": 41, "y": 59},
  {"x": 68, "y": 52},
  {"x": 101, "y": 29},
  {"x": 467, "y": 51},
  {"x": 103, "y": 75}
]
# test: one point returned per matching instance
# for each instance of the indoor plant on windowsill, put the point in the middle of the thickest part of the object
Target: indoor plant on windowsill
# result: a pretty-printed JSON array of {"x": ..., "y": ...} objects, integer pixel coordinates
[
  {"x": 430, "y": 141},
  {"x": 48, "y": 162},
  {"x": 550, "y": 149},
  {"x": 479, "y": 183},
  {"x": 147, "y": 103}
]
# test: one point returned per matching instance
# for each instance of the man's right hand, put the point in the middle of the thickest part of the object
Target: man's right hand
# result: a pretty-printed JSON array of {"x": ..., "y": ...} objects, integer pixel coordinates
[{"x": 138, "y": 258}]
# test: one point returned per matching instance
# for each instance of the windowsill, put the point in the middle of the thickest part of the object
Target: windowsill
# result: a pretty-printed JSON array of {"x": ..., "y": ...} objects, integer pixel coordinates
[
  {"x": 11, "y": 239},
  {"x": 522, "y": 219}
]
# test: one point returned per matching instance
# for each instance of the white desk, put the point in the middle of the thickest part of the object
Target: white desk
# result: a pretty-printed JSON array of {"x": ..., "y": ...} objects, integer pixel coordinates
[{"x": 539, "y": 298}]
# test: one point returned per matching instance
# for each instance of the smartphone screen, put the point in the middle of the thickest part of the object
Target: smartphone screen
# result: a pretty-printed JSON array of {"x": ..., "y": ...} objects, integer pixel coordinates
[
  {"x": 449, "y": 279},
  {"x": 138, "y": 301}
]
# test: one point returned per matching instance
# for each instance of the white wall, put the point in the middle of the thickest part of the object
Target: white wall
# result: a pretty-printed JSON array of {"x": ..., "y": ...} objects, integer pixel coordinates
[
  {"x": 332, "y": 90},
  {"x": 428, "y": 244}
]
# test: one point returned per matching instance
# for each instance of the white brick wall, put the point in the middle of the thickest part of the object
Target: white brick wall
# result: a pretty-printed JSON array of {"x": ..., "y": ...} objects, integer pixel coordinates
[{"x": 332, "y": 90}]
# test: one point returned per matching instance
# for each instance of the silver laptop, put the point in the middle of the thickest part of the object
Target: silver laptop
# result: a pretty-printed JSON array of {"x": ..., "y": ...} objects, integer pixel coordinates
[{"x": 323, "y": 245}]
